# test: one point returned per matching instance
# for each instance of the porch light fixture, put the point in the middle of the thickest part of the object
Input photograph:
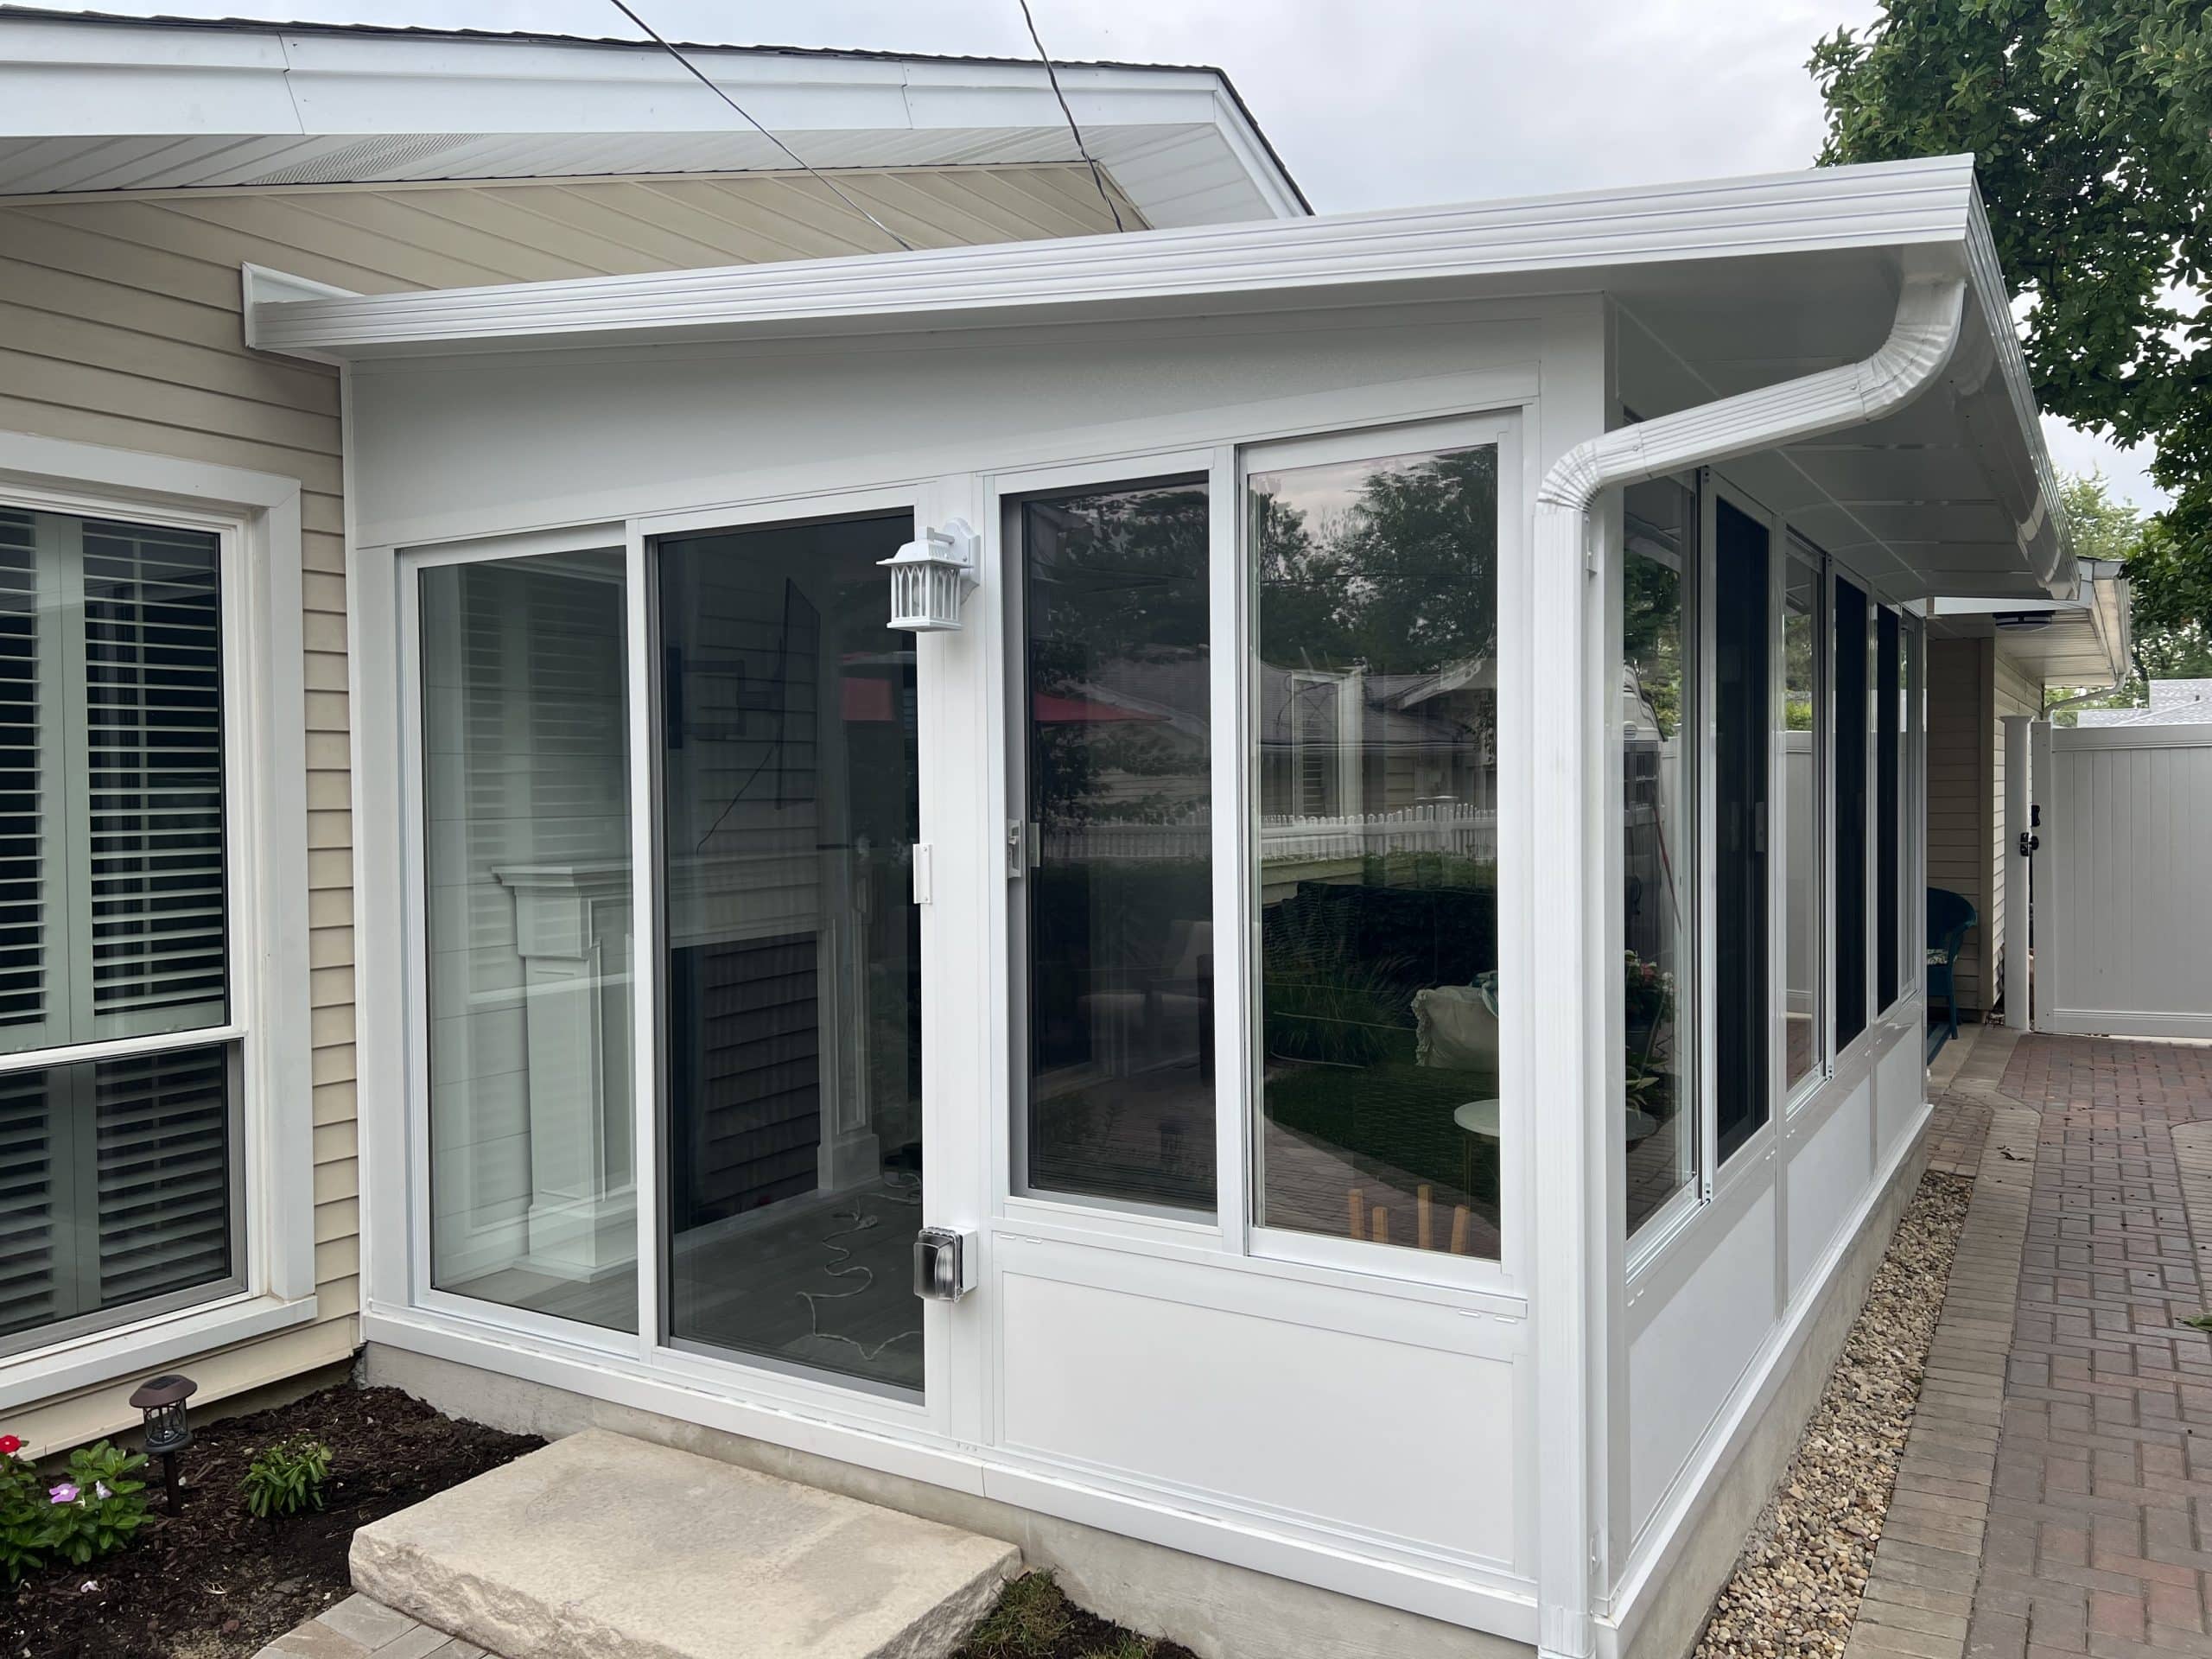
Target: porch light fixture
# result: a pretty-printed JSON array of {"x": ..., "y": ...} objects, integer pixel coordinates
[
  {"x": 929, "y": 577},
  {"x": 168, "y": 1430}
]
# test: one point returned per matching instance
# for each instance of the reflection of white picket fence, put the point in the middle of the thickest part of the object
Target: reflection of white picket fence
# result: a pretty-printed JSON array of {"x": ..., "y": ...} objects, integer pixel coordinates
[
  {"x": 1465, "y": 831},
  {"x": 1461, "y": 830}
]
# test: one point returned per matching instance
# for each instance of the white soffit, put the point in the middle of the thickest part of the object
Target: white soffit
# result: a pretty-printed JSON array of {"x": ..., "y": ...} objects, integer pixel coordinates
[{"x": 90, "y": 104}]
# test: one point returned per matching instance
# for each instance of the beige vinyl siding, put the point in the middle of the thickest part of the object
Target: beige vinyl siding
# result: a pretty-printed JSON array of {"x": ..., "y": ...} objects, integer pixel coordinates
[
  {"x": 1960, "y": 761},
  {"x": 120, "y": 325}
]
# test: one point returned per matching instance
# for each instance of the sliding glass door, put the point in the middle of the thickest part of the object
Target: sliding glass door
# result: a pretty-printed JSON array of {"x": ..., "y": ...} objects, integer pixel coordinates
[
  {"x": 790, "y": 1119},
  {"x": 786, "y": 1161}
]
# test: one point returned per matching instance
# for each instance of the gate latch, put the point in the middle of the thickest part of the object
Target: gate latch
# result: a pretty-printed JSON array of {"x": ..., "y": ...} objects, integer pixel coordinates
[{"x": 2029, "y": 844}]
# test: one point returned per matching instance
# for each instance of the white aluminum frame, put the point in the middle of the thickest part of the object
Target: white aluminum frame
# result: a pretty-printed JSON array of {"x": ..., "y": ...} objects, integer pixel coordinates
[{"x": 256, "y": 517}]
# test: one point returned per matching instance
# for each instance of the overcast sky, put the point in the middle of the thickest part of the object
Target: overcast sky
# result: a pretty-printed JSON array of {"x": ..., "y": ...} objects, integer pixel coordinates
[{"x": 1371, "y": 103}]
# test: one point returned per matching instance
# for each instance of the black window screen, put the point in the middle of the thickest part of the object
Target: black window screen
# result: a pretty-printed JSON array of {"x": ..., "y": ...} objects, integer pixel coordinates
[
  {"x": 1850, "y": 812},
  {"x": 1739, "y": 802}
]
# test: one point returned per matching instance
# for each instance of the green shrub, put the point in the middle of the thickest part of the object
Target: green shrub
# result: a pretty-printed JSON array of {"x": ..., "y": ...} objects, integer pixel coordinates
[
  {"x": 91, "y": 1512},
  {"x": 287, "y": 1477}
]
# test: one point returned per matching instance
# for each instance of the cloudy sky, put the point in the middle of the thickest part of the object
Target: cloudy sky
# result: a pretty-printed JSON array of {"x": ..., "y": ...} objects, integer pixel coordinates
[{"x": 1371, "y": 103}]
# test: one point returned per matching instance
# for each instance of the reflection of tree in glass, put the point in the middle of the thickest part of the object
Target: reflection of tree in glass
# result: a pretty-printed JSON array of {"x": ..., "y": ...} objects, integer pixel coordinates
[
  {"x": 1651, "y": 640},
  {"x": 1797, "y": 670},
  {"x": 1117, "y": 651},
  {"x": 1403, "y": 579}
]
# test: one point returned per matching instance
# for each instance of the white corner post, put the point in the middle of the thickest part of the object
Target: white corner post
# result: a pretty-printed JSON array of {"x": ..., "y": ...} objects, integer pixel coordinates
[
  {"x": 1572, "y": 1113},
  {"x": 2019, "y": 793}
]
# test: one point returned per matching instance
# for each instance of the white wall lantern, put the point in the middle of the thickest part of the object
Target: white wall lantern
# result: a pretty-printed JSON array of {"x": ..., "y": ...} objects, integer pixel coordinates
[{"x": 929, "y": 577}]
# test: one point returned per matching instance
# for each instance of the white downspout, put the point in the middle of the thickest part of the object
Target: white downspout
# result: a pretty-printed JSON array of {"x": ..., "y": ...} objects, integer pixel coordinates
[{"x": 1567, "y": 1015}]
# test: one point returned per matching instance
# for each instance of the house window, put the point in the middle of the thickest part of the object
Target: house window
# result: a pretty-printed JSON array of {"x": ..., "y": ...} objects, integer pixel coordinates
[
  {"x": 1659, "y": 888},
  {"x": 1117, "y": 751},
  {"x": 1851, "y": 807},
  {"x": 1802, "y": 748},
  {"x": 119, "y": 1157},
  {"x": 1888, "y": 760},
  {"x": 1376, "y": 574}
]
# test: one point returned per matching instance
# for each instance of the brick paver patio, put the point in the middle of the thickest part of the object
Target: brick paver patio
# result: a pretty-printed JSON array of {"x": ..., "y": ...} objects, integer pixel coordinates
[{"x": 2069, "y": 1508}]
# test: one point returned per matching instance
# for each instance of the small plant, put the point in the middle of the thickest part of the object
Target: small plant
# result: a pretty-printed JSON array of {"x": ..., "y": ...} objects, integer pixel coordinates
[
  {"x": 91, "y": 1512},
  {"x": 24, "y": 1504},
  {"x": 1031, "y": 1618},
  {"x": 96, "y": 1508},
  {"x": 2199, "y": 1321},
  {"x": 286, "y": 1478}
]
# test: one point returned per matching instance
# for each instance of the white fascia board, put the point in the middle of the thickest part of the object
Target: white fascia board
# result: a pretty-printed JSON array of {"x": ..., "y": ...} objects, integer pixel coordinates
[
  {"x": 2002, "y": 423},
  {"x": 1533, "y": 244}
]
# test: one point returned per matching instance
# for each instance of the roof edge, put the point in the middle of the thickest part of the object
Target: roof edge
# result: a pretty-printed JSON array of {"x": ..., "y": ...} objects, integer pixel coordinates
[{"x": 1896, "y": 203}]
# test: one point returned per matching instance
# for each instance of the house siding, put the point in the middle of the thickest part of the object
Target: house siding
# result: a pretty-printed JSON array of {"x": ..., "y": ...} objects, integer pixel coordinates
[{"x": 120, "y": 325}]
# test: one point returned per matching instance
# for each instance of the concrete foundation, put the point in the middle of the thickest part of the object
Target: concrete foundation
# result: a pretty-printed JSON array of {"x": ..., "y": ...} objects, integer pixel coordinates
[{"x": 1218, "y": 1610}]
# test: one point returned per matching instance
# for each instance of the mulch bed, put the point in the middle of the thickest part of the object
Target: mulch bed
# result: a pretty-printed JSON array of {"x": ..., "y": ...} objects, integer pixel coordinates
[
  {"x": 1796, "y": 1588},
  {"x": 212, "y": 1582}
]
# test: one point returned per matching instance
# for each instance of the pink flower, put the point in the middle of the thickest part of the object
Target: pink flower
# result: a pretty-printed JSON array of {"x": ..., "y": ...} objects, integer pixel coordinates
[
  {"x": 65, "y": 1493},
  {"x": 10, "y": 1446}
]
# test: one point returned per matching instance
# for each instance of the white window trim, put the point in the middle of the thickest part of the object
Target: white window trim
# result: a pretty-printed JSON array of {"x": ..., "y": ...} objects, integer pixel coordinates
[{"x": 258, "y": 516}]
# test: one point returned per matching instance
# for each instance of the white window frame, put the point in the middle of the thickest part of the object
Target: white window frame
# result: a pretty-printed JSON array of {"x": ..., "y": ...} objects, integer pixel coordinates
[{"x": 256, "y": 517}]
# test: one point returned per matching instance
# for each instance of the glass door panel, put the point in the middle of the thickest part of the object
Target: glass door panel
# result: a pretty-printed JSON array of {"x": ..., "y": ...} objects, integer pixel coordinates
[
  {"x": 1117, "y": 755},
  {"x": 790, "y": 1037},
  {"x": 527, "y": 917}
]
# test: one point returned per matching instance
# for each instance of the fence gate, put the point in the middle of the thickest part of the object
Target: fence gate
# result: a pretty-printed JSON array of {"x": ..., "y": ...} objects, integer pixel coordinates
[{"x": 2123, "y": 880}]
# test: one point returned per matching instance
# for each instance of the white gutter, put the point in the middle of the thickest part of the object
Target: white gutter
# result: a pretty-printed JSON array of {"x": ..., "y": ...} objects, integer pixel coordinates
[{"x": 1574, "y": 1277}]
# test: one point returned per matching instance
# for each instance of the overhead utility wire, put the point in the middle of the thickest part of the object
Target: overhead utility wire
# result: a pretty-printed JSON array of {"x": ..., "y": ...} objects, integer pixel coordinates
[
  {"x": 1081, "y": 148},
  {"x": 779, "y": 142}
]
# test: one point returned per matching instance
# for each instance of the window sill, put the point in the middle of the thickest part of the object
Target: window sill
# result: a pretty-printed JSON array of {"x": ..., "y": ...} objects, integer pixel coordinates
[{"x": 139, "y": 1350}]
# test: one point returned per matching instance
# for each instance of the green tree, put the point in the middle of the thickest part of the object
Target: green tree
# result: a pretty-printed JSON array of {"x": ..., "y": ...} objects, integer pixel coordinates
[
  {"x": 2090, "y": 123},
  {"x": 2169, "y": 642}
]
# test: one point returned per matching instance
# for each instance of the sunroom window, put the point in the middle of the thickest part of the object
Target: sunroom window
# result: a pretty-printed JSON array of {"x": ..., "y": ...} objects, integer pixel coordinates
[
  {"x": 1374, "y": 720},
  {"x": 118, "y": 1159},
  {"x": 1658, "y": 887}
]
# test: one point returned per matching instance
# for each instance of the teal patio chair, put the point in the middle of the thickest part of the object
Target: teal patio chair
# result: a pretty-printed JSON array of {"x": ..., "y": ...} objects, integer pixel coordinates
[{"x": 1949, "y": 916}]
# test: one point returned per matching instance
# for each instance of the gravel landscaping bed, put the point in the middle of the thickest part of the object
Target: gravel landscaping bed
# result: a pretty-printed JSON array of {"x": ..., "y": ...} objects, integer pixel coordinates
[{"x": 1797, "y": 1587}]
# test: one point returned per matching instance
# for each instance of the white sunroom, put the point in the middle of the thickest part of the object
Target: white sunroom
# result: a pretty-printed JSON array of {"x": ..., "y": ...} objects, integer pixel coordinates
[{"x": 1375, "y": 920}]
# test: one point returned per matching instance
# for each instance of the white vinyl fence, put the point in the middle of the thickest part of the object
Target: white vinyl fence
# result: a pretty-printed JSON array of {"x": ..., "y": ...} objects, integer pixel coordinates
[{"x": 2123, "y": 880}]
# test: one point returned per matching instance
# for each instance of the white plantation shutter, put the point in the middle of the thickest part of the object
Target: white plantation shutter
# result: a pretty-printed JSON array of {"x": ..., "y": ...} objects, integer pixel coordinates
[
  {"x": 154, "y": 777},
  {"x": 31, "y": 1291},
  {"x": 162, "y": 1125},
  {"x": 22, "y": 871},
  {"x": 117, "y": 1172}
]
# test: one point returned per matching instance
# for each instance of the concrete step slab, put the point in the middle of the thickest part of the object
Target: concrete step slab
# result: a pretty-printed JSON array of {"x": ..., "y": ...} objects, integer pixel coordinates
[{"x": 603, "y": 1547}]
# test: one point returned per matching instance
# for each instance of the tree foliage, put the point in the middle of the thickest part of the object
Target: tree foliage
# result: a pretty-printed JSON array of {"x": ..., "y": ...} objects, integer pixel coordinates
[{"x": 2090, "y": 124}]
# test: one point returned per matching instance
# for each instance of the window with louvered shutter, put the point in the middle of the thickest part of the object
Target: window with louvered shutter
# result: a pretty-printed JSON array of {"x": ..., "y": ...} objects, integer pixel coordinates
[{"x": 118, "y": 1191}]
